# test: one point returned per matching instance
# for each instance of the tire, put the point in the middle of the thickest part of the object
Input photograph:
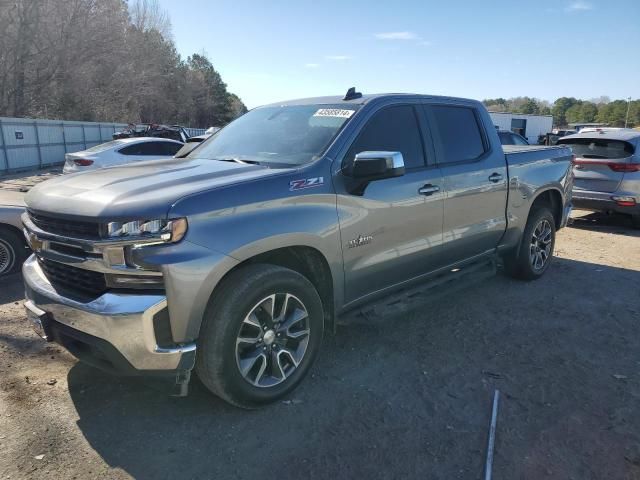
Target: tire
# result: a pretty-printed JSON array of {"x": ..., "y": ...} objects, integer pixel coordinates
[
  {"x": 12, "y": 252},
  {"x": 533, "y": 257},
  {"x": 233, "y": 345},
  {"x": 635, "y": 221}
]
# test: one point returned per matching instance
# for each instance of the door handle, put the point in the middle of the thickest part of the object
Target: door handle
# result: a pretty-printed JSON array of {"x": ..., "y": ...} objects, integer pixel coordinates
[
  {"x": 495, "y": 177},
  {"x": 428, "y": 189}
]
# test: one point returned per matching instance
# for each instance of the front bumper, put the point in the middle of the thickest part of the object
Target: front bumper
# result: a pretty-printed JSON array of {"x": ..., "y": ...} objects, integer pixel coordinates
[
  {"x": 602, "y": 202},
  {"x": 116, "y": 329}
]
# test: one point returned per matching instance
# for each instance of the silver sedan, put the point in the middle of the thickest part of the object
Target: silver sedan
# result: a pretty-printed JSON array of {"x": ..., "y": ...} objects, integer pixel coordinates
[{"x": 120, "y": 152}]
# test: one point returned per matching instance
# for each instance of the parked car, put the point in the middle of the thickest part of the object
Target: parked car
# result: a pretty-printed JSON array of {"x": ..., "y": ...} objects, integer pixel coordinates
[
  {"x": 13, "y": 248},
  {"x": 236, "y": 259},
  {"x": 555, "y": 135},
  {"x": 563, "y": 133},
  {"x": 510, "y": 138},
  {"x": 607, "y": 171},
  {"x": 120, "y": 152},
  {"x": 173, "y": 132}
]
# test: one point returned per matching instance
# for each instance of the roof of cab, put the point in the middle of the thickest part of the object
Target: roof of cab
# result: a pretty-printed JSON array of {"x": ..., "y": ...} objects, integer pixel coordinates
[{"x": 337, "y": 99}]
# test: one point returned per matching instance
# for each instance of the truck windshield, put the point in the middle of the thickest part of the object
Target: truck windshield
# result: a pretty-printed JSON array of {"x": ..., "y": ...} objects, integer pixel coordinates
[
  {"x": 282, "y": 135},
  {"x": 598, "y": 147}
]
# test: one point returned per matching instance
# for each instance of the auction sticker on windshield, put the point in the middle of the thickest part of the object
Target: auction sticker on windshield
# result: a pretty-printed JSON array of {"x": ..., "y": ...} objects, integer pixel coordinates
[{"x": 333, "y": 112}]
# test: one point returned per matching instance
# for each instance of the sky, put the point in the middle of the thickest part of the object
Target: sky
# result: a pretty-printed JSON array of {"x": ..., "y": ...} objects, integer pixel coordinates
[{"x": 278, "y": 50}]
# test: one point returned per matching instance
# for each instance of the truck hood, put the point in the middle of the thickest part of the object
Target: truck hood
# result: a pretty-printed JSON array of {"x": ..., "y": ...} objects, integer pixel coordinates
[{"x": 143, "y": 190}]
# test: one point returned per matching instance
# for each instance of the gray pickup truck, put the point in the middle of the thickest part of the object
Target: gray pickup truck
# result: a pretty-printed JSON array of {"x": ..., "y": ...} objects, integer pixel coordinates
[{"x": 234, "y": 260}]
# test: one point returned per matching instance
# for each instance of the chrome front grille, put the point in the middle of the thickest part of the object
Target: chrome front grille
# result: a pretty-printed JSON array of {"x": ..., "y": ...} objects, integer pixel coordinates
[{"x": 65, "y": 227}]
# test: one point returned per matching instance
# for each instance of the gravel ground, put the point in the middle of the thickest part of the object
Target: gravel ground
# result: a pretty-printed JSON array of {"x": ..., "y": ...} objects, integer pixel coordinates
[{"x": 404, "y": 395}]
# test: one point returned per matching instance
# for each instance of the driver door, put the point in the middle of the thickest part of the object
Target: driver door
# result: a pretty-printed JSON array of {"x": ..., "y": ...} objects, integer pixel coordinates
[{"x": 391, "y": 233}]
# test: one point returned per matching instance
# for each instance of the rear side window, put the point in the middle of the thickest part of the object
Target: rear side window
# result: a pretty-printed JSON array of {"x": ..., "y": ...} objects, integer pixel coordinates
[
  {"x": 104, "y": 146},
  {"x": 457, "y": 131},
  {"x": 171, "y": 148},
  {"x": 598, "y": 147},
  {"x": 392, "y": 129},
  {"x": 148, "y": 148}
]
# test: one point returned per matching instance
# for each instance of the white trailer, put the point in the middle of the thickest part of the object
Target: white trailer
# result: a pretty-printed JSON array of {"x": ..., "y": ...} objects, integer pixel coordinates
[{"x": 529, "y": 126}]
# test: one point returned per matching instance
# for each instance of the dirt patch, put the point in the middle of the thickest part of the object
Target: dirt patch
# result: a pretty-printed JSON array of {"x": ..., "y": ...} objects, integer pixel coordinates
[{"x": 404, "y": 396}]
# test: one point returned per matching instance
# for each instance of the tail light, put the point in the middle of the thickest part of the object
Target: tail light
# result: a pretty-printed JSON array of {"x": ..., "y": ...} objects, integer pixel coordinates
[
  {"x": 83, "y": 162},
  {"x": 624, "y": 201},
  {"x": 625, "y": 167},
  {"x": 615, "y": 166}
]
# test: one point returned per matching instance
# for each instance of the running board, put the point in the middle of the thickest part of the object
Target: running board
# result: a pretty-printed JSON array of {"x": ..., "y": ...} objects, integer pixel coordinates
[{"x": 410, "y": 299}]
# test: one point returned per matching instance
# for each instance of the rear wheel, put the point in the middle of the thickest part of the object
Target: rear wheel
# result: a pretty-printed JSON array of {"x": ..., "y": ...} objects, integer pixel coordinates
[
  {"x": 12, "y": 252},
  {"x": 536, "y": 248},
  {"x": 635, "y": 221},
  {"x": 260, "y": 335}
]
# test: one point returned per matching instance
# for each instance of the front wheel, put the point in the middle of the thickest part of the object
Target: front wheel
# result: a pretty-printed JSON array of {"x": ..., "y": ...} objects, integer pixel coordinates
[
  {"x": 260, "y": 335},
  {"x": 536, "y": 248}
]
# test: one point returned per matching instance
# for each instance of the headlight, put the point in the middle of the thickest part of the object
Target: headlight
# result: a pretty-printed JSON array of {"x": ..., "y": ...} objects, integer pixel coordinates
[{"x": 166, "y": 230}]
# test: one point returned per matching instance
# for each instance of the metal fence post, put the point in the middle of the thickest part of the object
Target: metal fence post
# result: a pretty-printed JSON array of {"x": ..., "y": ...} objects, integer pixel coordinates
[
  {"x": 4, "y": 147},
  {"x": 84, "y": 137},
  {"x": 64, "y": 137},
  {"x": 35, "y": 126}
]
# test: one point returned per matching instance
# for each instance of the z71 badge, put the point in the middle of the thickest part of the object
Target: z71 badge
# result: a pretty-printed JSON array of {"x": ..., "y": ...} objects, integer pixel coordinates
[
  {"x": 306, "y": 183},
  {"x": 360, "y": 240}
]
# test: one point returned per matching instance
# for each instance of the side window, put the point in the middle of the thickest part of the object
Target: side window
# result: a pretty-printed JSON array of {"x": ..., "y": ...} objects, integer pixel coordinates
[
  {"x": 457, "y": 131},
  {"x": 392, "y": 129},
  {"x": 130, "y": 150},
  {"x": 170, "y": 148}
]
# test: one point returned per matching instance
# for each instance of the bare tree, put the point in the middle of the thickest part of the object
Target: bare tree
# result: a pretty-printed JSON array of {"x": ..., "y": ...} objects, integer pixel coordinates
[
  {"x": 149, "y": 15},
  {"x": 103, "y": 60}
]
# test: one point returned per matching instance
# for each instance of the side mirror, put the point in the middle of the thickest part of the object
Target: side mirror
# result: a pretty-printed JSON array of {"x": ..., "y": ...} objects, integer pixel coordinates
[{"x": 370, "y": 166}]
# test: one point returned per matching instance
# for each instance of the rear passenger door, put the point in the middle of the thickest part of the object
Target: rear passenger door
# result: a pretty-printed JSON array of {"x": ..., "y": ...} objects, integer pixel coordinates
[
  {"x": 400, "y": 227},
  {"x": 474, "y": 181}
]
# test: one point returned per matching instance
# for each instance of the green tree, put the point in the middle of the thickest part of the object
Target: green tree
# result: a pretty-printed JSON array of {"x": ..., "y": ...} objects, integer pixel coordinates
[
  {"x": 588, "y": 112},
  {"x": 559, "y": 109},
  {"x": 530, "y": 106},
  {"x": 613, "y": 113}
]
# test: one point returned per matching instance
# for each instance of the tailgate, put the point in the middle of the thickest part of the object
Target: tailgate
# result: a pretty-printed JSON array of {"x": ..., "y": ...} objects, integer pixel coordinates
[
  {"x": 600, "y": 163},
  {"x": 596, "y": 176}
]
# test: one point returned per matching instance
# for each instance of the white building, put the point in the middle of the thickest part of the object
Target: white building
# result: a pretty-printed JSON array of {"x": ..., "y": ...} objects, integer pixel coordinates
[{"x": 529, "y": 126}]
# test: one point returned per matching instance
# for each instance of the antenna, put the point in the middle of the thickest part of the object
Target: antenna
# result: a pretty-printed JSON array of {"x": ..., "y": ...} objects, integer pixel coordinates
[{"x": 352, "y": 94}]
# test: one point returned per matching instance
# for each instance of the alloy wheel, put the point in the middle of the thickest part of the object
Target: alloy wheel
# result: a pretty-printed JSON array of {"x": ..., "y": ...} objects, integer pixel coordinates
[
  {"x": 272, "y": 340},
  {"x": 540, "y": 247}
]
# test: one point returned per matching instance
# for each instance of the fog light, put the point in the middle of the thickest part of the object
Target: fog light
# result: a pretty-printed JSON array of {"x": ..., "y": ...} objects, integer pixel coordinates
[
  {"x": 624, "y": 201},
  {"x": 135, "y": 281}
]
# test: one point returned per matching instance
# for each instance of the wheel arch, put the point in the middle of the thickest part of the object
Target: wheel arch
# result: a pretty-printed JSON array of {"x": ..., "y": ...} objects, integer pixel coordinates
[
  {"x": 7, "y": 227},
  {"x": 307, "y": 260},
  {"x": 551, "y": 198}
]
